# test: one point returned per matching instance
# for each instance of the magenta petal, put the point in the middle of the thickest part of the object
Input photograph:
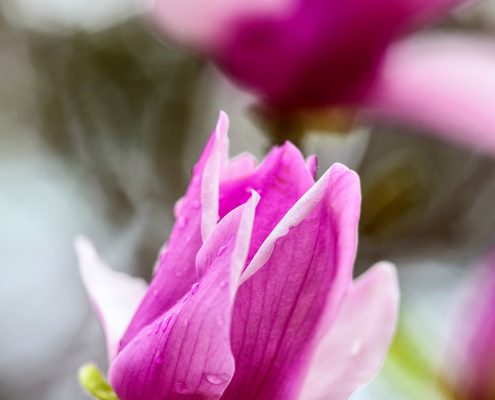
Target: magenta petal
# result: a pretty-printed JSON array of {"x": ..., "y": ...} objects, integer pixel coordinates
[
  {"x": 354, "y": 348},
  {"x": 281, "y": 180},
  {"x": 300, "y": 273},
  {"x": 323, "y": 52},
  {"x": 197, "y": 215},
  {"x": 185, "y": 353},
  {"x": 114, "y": 296},
  {"x": 443, "y": 83}
]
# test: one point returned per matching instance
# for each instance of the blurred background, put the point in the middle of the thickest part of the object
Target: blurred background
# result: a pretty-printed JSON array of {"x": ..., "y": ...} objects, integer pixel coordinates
[{"x": 100, "y": 124}]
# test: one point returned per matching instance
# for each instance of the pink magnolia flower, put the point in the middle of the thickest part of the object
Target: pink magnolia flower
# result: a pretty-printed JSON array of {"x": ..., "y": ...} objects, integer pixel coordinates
[
  {"x": 311, "y": 53},
  {"x": 253, "y": 297}
]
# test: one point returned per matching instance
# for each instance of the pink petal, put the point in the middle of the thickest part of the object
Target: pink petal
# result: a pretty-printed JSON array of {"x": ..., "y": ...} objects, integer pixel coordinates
[
  {"x": 239, "y": 167},
  {"x": 281, "y": 180},
  {"x": 312, "y": 165},
  {"x": 185, "y": 353},
  {"x": 474, "y": 340},
  {"x": 443, "y": 83},
  {"x": 353, "y": 350},
  {"x": 114, "y": 296},
  {"x": 184, "y": 20},
  {"x": 197, "y": 215},
  {"x": 303, "y": 268}
]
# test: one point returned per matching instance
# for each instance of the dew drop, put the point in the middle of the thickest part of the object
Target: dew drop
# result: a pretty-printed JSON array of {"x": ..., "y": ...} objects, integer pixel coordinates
[
  {"x": 221, "y": 250},
  {"x": 159, "y": 358},
  {"x": 223, "y": 284},
  {"x": 194, "y": 288},
  {"x": 286, "y": 159},
  {"x": 179, "y": 206},
  {"x": 356, "y": 347},
  {"x": 195, "y": 180},
  {"x": 217, "y": 379},
  {"x": 155, "y": 292},
  {"x": 283, "y": 230},
  {"x": 182, "y": 222},
  {"x": 181, "y": 387}
]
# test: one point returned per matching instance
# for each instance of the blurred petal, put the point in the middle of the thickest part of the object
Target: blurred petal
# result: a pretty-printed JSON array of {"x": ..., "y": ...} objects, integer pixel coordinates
[
  {"x": 443, "y": 83},
  {"x": 476, "y": 338},
  {"x": 114, "y": 296},
  {"x": 281, "y": 180},
  {"x": 185, "y": 353},
  {"x": 355, "y": 347},
  {"x": 197, "y": 215},
  {"x": 184, "y": 20},
  {"x": 322, "y": 52},
  {"x": 301, "y": 272}
]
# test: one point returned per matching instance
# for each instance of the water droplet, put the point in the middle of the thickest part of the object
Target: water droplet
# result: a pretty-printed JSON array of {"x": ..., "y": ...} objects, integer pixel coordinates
[
  {"x": 356, "y": 347},
  {"x": 182, "y": 222},
  {"x": 221, "y": 250},
  {"x": 194, "y": 288},
  {"x": 195, "y": 180},
  {"x": 223, "y": 284},
  {"x": 217, "y": 379},
  {"x": 181, "y": 387},
  {"x": 155, "y": 292},
  {"x": 286, "y": 159},
  {"x": 283, "y": 230},
  {"x": 179, "y": 206},
  {"x": 159, "y": 358},
  {"x": 196, "y": 204}
]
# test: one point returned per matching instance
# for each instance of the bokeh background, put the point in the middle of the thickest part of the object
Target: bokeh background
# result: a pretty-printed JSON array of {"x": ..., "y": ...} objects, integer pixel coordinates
[{"x": 100, "y": 124}]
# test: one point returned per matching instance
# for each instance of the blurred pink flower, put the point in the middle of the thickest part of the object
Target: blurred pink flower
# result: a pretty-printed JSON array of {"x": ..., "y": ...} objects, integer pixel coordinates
[
  {"x": 474, "y": 377},
  {"x": 299, "y": 54},
  {"x": 253, "y": 297}
]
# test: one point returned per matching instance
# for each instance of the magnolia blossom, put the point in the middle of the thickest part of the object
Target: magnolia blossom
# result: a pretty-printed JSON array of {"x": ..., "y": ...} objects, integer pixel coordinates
[
  {"x": 299, "y": 54},
  {"x": 253, "y": 296}
]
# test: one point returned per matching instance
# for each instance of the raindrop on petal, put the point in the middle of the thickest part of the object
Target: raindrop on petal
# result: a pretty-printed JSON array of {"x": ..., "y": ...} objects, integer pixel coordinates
[
  {"x": 217, "y": 379},
  {"x": 181, "y": 387},
  {"x": 182, "y": 222},
  {"x": 356, "y": 347}
]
